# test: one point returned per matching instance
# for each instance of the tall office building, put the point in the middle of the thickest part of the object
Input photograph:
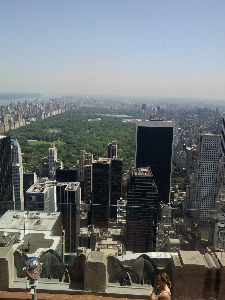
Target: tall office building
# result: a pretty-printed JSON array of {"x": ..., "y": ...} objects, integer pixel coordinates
[
  {"x": 29, "y": 178},
  {"x": 37, "y": 196},
  {"x": 85, "y": 159},
  {"x": 154, "y": 140},
  {"x": 142, "y": 212},
  {"x": 143, "y": 106},
  {"x": 4, "y": 120},
  {"x": 51, "y": 163},
  {"x": 207, "y": 178},
  {"x": 116, "y": 185},
  {"x": 223, "y": 137},
  {"x": 85, "y": 175},
  {"x": 112, "y": 149},
  {"x": 87, "y": 184},
  {"x": 68, "y": 203},
  {"x": 100, "y": 192},
  {"x": 106, "y": 190},
  {"x": 17, "y": 174},
  {"x": 6, "y": 190},
  {"x": 66, "y": 174}
]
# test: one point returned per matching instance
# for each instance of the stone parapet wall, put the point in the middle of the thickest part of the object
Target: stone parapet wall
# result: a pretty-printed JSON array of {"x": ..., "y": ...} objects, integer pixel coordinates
[
  {"x": 195, "y": 276},
  {"x": 221, "y": 282},
  {"x": 95, "y": 272},
  {"x": 7, "y": 267}
]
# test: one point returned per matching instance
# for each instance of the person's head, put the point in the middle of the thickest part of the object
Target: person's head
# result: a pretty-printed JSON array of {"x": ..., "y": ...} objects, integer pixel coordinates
[{"x": 164, "y": 279}]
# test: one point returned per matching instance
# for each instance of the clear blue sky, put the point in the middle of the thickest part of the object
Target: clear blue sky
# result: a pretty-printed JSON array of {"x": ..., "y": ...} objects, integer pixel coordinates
[{"x": 154, "y": 48}]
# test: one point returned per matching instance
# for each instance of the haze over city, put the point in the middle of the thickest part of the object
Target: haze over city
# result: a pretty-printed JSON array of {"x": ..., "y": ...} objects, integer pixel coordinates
[{"x": 134, "y": 48}]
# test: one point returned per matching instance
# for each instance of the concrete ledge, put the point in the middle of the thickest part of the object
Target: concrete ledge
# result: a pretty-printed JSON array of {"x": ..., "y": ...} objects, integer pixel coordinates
[{"x": 75, "y": 289}]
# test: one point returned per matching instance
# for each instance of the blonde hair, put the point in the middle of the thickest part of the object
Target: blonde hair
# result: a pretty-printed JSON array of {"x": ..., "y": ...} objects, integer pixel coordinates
[{"x": 165, "y": 278}]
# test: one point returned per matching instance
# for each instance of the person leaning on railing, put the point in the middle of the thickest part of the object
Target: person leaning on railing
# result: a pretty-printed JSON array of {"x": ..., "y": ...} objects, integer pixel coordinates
[{"x": 162, "y": 286}]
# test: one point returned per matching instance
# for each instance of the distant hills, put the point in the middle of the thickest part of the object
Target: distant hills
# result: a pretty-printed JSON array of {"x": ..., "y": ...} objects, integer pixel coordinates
[{"x": 6, "y": 96}]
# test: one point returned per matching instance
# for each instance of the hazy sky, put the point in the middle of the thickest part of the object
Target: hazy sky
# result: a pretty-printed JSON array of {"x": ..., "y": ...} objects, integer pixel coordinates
[{"x": 123, "y": 47}]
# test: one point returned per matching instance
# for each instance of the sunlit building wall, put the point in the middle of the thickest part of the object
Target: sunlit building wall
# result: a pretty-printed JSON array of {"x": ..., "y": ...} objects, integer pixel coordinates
[{"x": 206, "y": 178}]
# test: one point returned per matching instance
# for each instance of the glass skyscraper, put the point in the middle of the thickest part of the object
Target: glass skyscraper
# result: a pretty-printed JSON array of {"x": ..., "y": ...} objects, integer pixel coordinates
[{"x": 154, "y": 140}]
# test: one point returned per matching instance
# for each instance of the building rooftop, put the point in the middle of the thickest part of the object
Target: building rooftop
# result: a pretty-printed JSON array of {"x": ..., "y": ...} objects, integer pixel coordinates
[
  {"x": 32, "y": 221},
  {"x": 19, "y": 228}
]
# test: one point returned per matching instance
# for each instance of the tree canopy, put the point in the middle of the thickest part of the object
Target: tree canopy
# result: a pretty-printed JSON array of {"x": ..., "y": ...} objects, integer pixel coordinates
[{"x": 89, "y": 129}]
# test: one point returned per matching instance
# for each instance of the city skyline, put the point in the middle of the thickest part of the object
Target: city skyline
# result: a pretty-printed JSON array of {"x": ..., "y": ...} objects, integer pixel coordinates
[{"x": 128, "y": 48}]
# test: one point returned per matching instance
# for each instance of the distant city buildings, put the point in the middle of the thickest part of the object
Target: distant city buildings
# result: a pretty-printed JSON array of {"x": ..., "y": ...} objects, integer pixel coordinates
[
  {"x": 102, "y": 182},
  {"x": 16, "y": 115}
]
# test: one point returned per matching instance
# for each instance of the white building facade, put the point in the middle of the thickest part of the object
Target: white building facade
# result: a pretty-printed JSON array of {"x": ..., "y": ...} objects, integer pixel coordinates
[{"x": 207, "y": 178}]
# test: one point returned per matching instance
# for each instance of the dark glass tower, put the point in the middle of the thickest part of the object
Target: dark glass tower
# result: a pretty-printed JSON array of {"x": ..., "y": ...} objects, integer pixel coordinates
[
  {"x": 106, "y": 190},
  {"x": 142, "y": 212},
  {"x": 66, "y": 174},
  {"x": 100, "y": 193},
  {"x": 112, "y": 149},
  {"x": 154, "y": 141},
  {"x": 116, "y": 185},
  {"x": 68, "y": 203},
  {"x": 6, "y": 190}
]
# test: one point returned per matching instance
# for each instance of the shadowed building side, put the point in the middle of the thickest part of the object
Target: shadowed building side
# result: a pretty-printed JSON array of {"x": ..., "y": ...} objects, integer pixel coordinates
[{"x": 142, "y": 212}]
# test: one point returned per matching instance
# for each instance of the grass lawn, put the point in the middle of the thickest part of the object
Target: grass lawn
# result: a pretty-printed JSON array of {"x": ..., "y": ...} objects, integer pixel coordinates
[{"x": 35, "y": 142}]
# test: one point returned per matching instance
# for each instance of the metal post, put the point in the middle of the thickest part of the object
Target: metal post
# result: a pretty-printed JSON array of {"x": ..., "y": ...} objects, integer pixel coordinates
[{"x": 33, "y": 293}]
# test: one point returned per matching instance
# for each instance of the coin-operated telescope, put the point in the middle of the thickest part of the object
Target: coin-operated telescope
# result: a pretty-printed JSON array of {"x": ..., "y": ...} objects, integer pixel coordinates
[{"x": 33, "y": 269}]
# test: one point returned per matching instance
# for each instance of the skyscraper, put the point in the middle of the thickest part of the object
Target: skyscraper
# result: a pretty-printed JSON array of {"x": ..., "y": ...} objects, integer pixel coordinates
[
  {"x": 66, "y": 174},
  {"x": 207, "y": 178},
  {"x": 6, "y": 190},
  {"x": 17, "y": 174},
  {"x": 29, "y": 178},
  {"x": 106, "y": 190},
  {"x": 112, "y": 149},
  {"x": 116, "y": 185},
  {"x": 85, "y": 175},
  {"x": 100, "y": 192},
  {"x": 85, "y": 159},
  {"x": 142, "y": 211},
  {"x": 68, "y": 203},
  {"x": 154, "y": 141},
  {"x": 51, "y": 163}
]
